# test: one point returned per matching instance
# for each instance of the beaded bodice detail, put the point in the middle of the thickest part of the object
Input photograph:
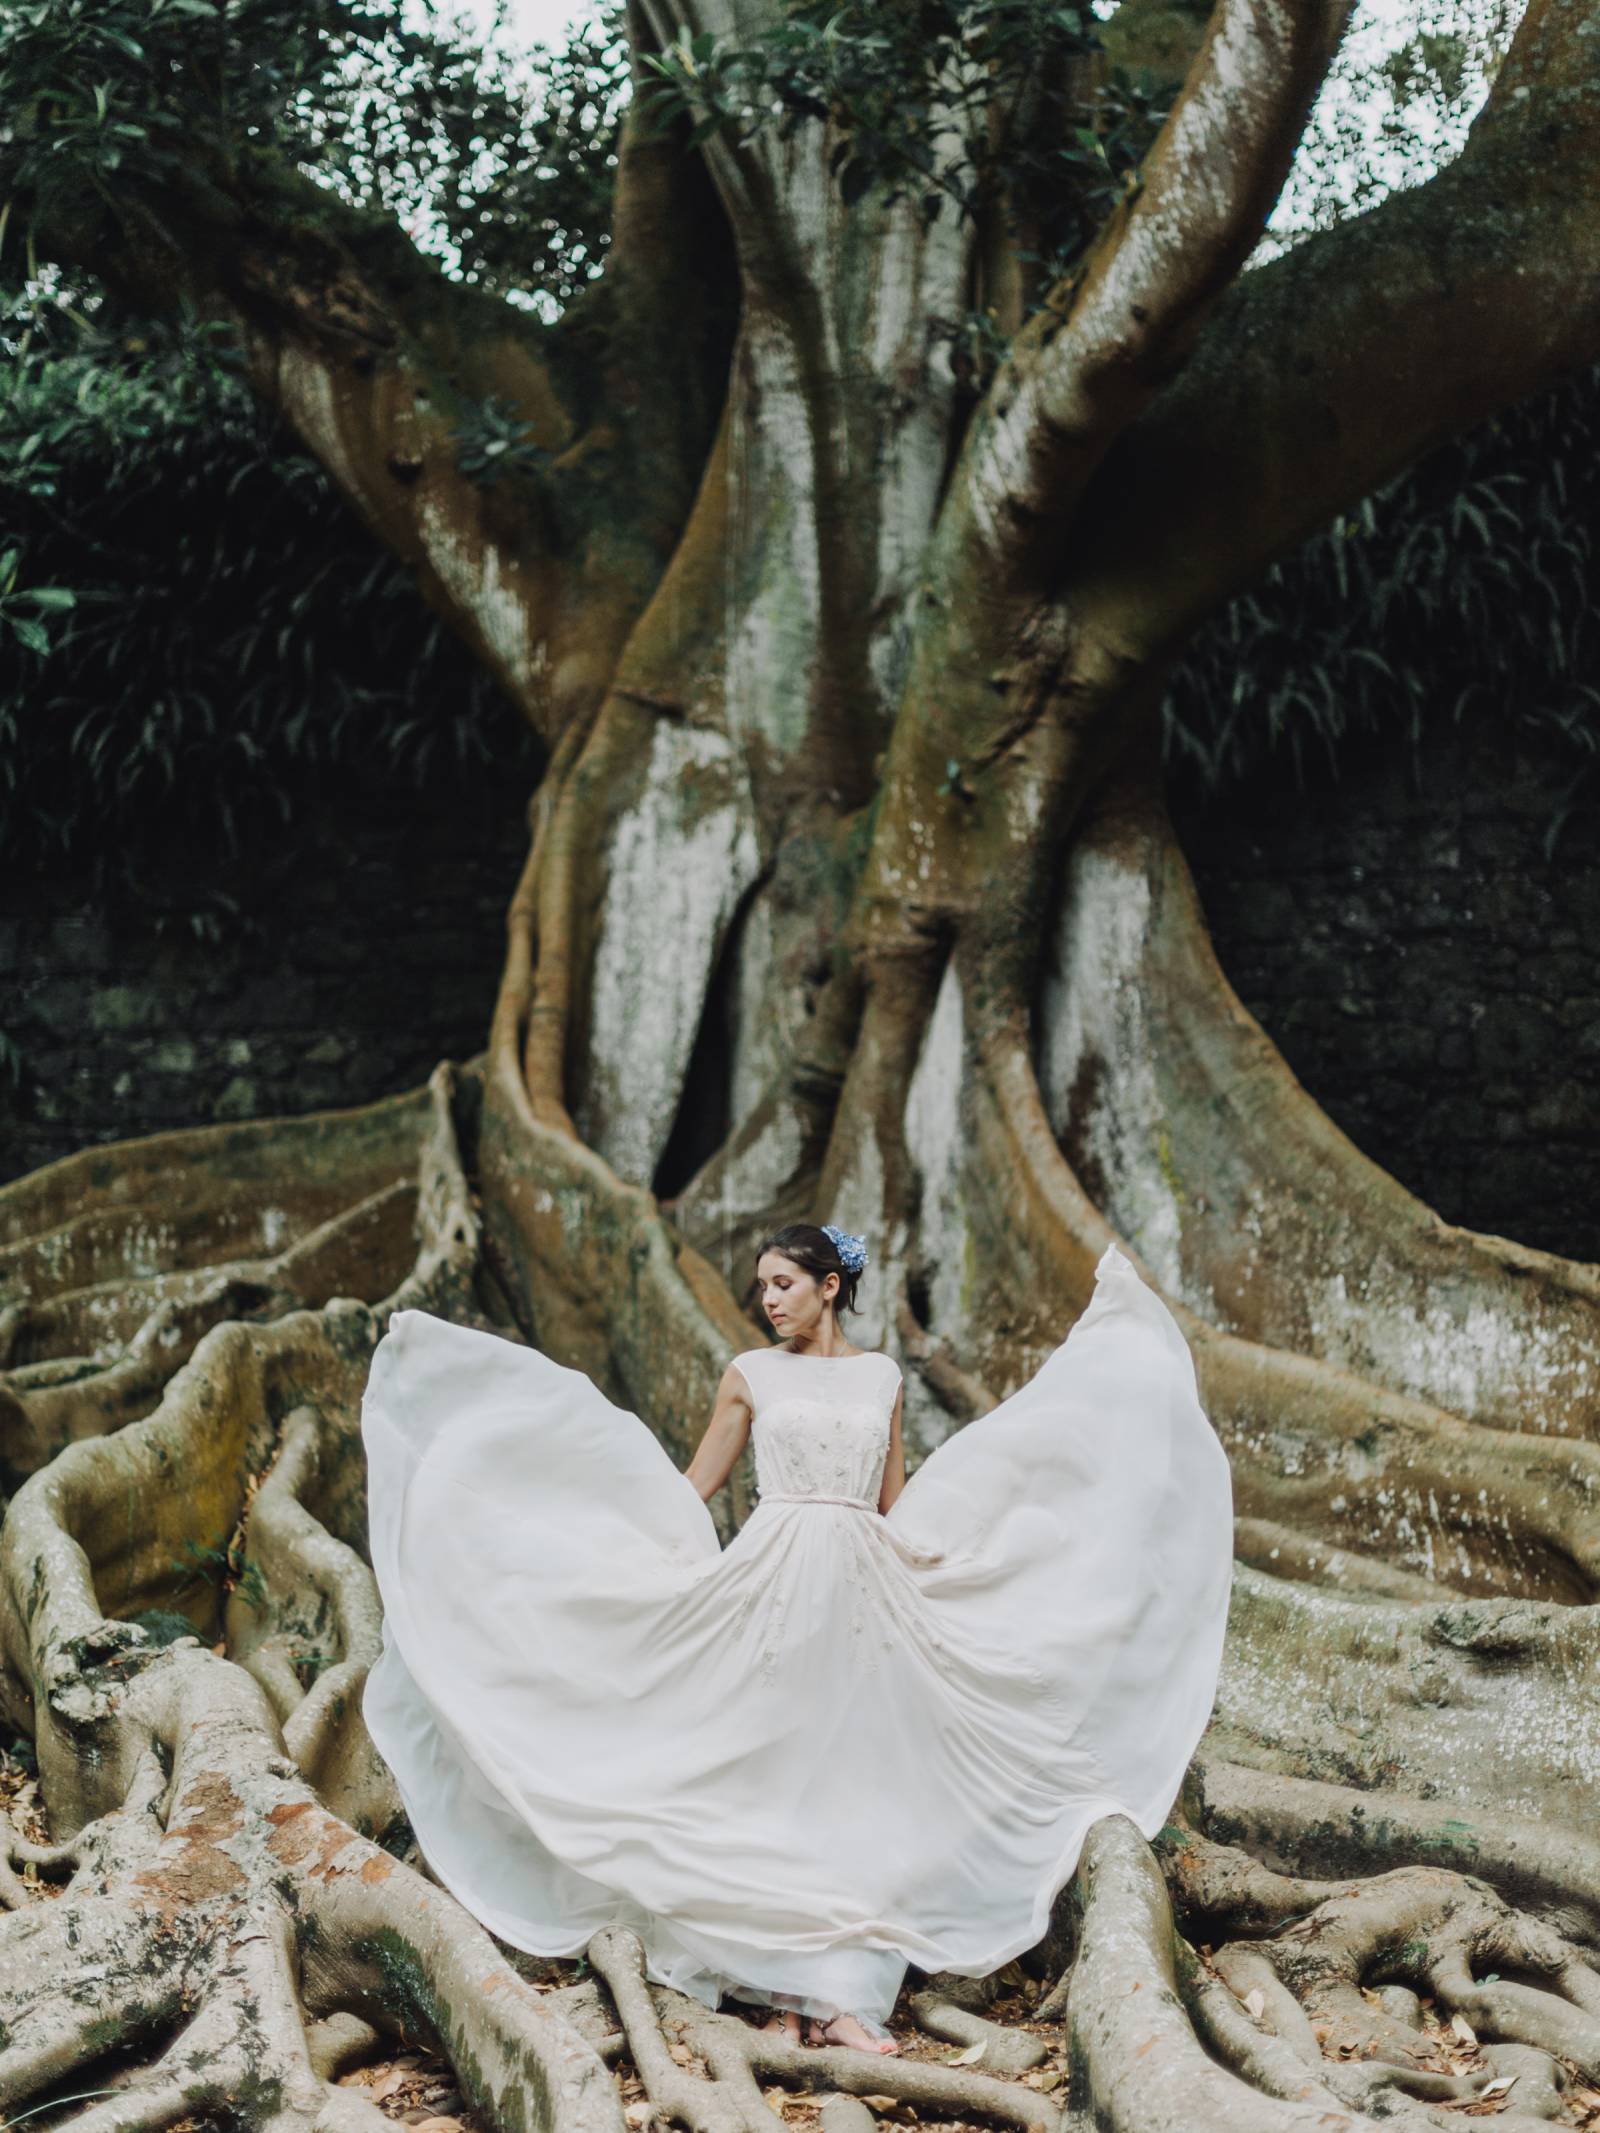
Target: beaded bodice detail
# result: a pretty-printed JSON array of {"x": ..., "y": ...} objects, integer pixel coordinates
[{"x": 821, "y": 1423}]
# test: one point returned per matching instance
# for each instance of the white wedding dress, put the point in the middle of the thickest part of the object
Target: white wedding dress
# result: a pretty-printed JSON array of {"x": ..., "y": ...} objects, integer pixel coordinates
[{"x": 845, "y": 1742}]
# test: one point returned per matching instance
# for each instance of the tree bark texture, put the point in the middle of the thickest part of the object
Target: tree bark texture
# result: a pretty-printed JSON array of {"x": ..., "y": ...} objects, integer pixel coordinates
[{"x": 850, "y": 892}]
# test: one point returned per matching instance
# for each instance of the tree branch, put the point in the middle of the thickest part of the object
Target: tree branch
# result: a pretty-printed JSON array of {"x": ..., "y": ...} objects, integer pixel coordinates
[
  {"x": 1134, "y": 307},
  {"x": 1326, "y": 372},
  {"x": 376, "y": 360}
]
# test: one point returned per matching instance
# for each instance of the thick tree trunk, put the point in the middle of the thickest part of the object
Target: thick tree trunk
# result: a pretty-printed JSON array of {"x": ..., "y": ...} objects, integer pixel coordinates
[{"x": 850, "y": 892}]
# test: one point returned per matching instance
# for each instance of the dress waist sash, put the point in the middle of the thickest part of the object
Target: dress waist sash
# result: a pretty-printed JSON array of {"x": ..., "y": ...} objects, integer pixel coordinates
[{"x": 859, "y": 1503}]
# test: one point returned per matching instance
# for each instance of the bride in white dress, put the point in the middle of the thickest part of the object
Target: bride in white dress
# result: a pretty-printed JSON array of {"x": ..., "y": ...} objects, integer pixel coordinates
[{"x": 871, "y": 1731}]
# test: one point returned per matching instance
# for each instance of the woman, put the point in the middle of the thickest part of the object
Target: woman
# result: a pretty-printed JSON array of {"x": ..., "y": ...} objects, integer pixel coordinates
[{"x": 875, "y": 1728}]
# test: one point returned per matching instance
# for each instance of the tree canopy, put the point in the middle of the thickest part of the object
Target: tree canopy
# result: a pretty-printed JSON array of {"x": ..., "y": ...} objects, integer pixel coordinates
[{"x": 833, "y": 449}]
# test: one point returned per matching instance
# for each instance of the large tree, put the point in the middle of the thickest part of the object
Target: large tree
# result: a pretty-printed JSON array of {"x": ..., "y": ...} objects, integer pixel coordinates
[{"x": 845, "y": 624}]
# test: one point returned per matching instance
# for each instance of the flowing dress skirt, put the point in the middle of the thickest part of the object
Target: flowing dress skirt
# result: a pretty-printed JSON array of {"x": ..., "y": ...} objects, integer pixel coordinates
[{"x": 845, "y": 1742}]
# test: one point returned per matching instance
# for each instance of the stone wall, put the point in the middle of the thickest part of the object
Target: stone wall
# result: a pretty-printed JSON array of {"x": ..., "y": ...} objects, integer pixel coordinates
[
  {"x": 336, "y": 968},
  {"x": 1426, "y": 970}
]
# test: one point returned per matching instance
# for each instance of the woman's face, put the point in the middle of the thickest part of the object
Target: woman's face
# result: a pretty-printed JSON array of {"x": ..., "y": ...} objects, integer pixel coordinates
[{"x": 793, "y": 1299}]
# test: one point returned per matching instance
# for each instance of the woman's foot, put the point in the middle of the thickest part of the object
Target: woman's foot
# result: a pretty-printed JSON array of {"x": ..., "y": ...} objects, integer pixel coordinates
[
  {"x": 845, "y": 2029},
  {"x": 785, "y": 2023}
]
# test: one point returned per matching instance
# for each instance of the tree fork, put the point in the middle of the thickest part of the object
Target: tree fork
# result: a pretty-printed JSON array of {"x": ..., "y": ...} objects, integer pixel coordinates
[{"x": 893, "y": 704}]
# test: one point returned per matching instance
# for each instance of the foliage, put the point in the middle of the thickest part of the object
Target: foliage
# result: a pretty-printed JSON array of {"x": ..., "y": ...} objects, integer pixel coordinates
[
  {"x": 502, "y": 161},
  {"x": 1396, "y": 104},
  {"x": 15, "y": 603},
  {"x": 1472, "y": 578},
  {"x": 986, "y": 104},
  {"x": 493, "y": 438},
  {"x": 205, "y": 674},
  {"x": 507, "y": 157},
  {"x": 914, "y": 90},
  {"x": 101, "y": 95},
  {"x": 176, "y": 583},
  {"x": 162, "y": 1625},
  {"x": 224, "y": 1568}
]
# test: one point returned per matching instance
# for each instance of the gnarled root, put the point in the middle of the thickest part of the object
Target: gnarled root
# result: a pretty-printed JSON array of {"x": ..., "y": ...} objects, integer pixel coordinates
[
  {"x": 736, "y": 2053},
  {"x": 1547, "y": 1868},
  {"x": 1426, "y": 1927},
  {"x": 1199, "y": 1144},
  {"x": 218, "y": 1919},
  {"x": 952, "y": 2010},
  {"x": 1137, "y": 2065},
  {"x": 1335, "y": 1970},
  {"x": 88, "y": 1357},
  {"x": 317, "y": 1609},
  {"x": 215, "y": 1933}
]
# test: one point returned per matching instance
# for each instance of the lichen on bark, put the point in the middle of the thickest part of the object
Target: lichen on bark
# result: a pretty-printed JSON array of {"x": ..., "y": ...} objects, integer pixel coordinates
[{"x": 849, "y": 892}]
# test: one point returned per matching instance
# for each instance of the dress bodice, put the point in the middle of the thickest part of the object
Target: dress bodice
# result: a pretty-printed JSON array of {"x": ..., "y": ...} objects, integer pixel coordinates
[{"x": 821, "y": 1423}]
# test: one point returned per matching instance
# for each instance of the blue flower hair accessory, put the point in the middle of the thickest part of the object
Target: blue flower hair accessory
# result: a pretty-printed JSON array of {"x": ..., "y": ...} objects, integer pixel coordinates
[{"x": 852, "y": 1250}]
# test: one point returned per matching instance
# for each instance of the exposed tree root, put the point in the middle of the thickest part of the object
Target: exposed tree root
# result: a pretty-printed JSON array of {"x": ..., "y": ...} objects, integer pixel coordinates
[
  {"x": 1482, "y": 1707},
  {"x": 1203, "y": 1149},
  {"x": 214, "y": 1869},
  {"x": 215, "y": 1816},
  {"x": 730, "y": 2102},
  {"x": 372, "y": 1247},
  {"x": 1550, "y": 1867},
  {"x": 1005, "y": 2051},
  {"x": 1285, "y": 1553},
  {"x": 1323, "y": 1964},
  {"x": 735, "y": 2053},
  {"x": 199, "y": 1196},
  {"x": 1137, "y": 2065},
  {"x": 359, "y": 1244},
  {"x": 318, "y": 1614},
  {"x": 1313, "y": 1447},
  {"x": 214, "y": 1906},
  {"x": 223, "y": 1914},
  {"x": 1434, "y": 1930}
]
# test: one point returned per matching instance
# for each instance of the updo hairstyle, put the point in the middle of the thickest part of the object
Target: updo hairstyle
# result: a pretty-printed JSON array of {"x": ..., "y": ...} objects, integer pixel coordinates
[{"x": 812, "y": 1248}]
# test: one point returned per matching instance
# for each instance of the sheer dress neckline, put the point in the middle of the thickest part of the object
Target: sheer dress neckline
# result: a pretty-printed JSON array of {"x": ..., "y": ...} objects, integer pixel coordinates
[{"x": 803, "y": 1356}]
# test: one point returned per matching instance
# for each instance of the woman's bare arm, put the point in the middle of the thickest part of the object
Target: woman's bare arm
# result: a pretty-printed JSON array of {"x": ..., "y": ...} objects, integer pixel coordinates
[
  {"x": 894, "y": 1464},
  {"x": 725, "y": 1434}
]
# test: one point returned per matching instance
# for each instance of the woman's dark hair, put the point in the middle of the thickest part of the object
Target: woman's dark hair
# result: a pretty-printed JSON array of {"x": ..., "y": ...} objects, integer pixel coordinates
[{"x": 815, "y": 1250}]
